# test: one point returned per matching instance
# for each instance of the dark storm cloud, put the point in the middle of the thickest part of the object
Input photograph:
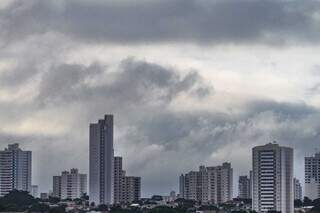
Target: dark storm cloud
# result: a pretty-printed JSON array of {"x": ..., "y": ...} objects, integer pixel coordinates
[
  {"x": 201, "y": 21},
  {"x": 134, "y": 82},
  {"x": 140, "y": 94}
]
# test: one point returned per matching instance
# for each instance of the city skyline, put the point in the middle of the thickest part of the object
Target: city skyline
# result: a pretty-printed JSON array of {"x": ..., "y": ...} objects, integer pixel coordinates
[
  {"x": 213, "y": 184},
  {"x": 203, "y": 80}
]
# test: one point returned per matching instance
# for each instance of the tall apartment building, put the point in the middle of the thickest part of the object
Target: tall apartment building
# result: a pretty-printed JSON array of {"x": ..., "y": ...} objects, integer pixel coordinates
[
  {"x": 244, "y": 187},
  {"x": 297, "y": 189},
  {"x": 101, "y": 165},
  {"x": 209, "y": 184},
  {"x": 131, "y": 189},
  {"x": 312, "y": 176},
  {"x": 126, "y": 188},
  {"x": 70, "y": 185},
  {"x": 272, "y": 178},
  {"x": 15, "y": 169},
  {"x": 56, "y": 186},
  {"x": 118, "y": 179}
]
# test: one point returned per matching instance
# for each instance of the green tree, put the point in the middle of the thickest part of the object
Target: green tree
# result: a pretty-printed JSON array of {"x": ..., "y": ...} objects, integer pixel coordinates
[
  {"x": 59, "y": 209},
  {"x": 297, "y": 203},
  {"x": 163, "y": 209},
  {"x": 39, "y": 207},
  {"x": 17, "y": 201},
  {"x": 307, "y": 201},
  {"x": 103, "y": 207}
]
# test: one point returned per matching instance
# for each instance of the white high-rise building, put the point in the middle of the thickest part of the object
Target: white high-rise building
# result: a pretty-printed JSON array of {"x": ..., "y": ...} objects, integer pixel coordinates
[
  {"x": 209, "y": 184},
  {"x": 15, "y": 169},
  {"x": 272, "y": 178},
  {"x": 70, "y": 185},
  {"x": 297, "y": 189},
  {"x": 101, "y": 158},
  {"x": 312, "y": 176}
]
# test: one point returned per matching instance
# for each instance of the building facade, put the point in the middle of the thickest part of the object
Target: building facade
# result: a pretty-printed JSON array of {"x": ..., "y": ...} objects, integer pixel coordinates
[
  {"x": 34, "y": 191},
  {"x": 131, "y": 189},
  {"x": 101, "y": 165},
  {"x": 126, "y": 188},
  {"x": 272, "y": 178},
  {"x": 56, "y": 186},
  {"x": 297, "y": 189},
  {"x": 70, "y": 185},
  {"x": 118, "y": 180},
  {"x": 312, "y": 176},
  {"x": 244, "y": 187},
  {"x": 208, "y": 185},
  {"x": 15, "y": 169}
]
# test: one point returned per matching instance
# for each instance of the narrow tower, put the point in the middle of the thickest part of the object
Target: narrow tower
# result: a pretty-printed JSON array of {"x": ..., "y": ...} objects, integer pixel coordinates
[{"x": 101, "y": 164}]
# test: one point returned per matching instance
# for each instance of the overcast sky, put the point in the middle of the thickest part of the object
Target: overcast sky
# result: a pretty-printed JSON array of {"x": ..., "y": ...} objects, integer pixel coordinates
[{"x": 190, "y": 82}]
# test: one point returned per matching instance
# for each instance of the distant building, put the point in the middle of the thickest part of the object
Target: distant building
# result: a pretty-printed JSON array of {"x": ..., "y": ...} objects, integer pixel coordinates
[
  {"x": 56, "y": 186},
  {"x": 34, "y": 191},
  {"x": 297, "y": 189},
  {"x": 312, "y": 176},
  {"x": 132, "y": 189},
  {"x": 15, "y": 169},
  {"x": 171, "y": 197},
  {"x": 118, "y": 180},
  {"x": 44, "y": 196},
  {"x": 244, "y": 187},
  {"x": 209, "y": 184},
  {"x": 272, "y": 178},
  {"x": 101, "y": 156},
  {"x": 70, "y": 185},
  {"x": 126, "y": 188}
]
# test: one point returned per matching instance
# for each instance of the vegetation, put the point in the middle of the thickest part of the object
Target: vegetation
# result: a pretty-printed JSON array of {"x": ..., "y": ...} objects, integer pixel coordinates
[
  {"x": 17, "y": 201},
  {"x": 39, "y": 207},
  {"x": 163, "y": 209}
]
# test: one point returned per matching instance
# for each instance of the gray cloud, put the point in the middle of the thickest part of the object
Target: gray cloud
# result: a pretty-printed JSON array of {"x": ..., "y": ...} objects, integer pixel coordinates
[
  {"x": 230, "y": 21},
  {"x": 139, "y": 94},
  {"x": 133, "y": 82}
]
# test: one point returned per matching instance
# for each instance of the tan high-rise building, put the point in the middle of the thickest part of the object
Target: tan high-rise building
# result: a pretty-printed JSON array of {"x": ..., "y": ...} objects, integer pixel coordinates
[{"x": 209, "y": 184}]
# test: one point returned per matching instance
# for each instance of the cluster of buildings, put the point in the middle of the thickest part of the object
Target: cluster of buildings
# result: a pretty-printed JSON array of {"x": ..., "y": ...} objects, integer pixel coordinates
[
  {"x": 209, "y": 184},
  {"x": 108, "y": 182},
  {"x": 270, "y": 184}
]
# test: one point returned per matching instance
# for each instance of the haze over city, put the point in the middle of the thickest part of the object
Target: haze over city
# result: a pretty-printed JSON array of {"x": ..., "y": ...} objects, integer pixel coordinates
[{"x": 189, "y": 82}]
